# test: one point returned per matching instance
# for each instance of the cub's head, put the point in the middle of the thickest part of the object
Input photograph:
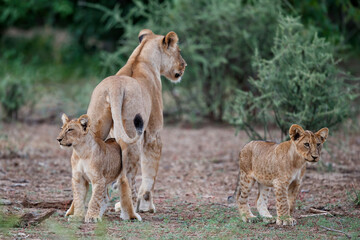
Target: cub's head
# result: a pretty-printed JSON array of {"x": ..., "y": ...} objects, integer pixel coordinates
[
  {"x": 172, "y": 64},
  {"x": 73, "y": 131},
  {"x": 308, "y": 144}
]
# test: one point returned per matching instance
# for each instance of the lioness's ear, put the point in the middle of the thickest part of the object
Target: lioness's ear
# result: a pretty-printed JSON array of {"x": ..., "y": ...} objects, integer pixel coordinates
[
  {"x": 170, "y": 40},
  {"x": 85, "y": 122},
  {"x": 295, "y": 132},
  {"x": 143, "y": 33},
  {"x": 64, "y": 118},
  {"x": 323, "y": 134}
]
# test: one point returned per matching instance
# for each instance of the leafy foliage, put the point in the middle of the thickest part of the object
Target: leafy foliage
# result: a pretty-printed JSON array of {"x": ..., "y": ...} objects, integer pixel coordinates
[
  {"x": 299, "y": 84},
  {"x": 217, "y": 38}
]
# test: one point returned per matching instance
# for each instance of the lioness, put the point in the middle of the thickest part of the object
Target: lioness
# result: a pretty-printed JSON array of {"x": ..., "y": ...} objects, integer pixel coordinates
[
  {"x": 281, "y": 166},
  {"x": 98, "y": 162},
  {"x": 136, "y": 88}
]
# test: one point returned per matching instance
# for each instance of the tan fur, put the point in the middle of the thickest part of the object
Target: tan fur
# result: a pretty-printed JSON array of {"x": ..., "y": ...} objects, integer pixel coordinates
[
  {"x": 136, "y": 88},
  {"x": 97, "y": 162},
  {"x": 281, "y": 166}
]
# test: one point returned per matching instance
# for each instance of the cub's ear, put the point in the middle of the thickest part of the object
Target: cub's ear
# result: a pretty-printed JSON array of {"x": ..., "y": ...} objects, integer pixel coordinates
[
  {"x": 295, "y": 132},
  {"x": 85, "y": 122},
  {"x": 323, "y": 134},
  {"x": 170, "y": 40},
  {"x": 64, "y": 118},
  {"x": 144, "y": 33}
]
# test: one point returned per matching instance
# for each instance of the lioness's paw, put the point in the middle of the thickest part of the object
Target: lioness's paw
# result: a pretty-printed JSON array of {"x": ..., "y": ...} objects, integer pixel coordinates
[
  {"x": 92, "y": 219},
  {"x": 286, "y": 221},
  {"x": 118, "y": 207},
  {"x": 269, "y": 219},
  {"x": 125, "y": 216},
  {"x": 144, "y": 204}
]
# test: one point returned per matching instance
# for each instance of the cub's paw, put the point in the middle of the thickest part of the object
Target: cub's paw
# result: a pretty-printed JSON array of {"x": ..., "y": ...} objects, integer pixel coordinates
[
  {"x": 92, "y": 219},
  {"x": 145, "y": 204},
  {"x": 285, "y": 221},
  {"x": 75, "y": 218},
  {"x": 249, "y": 218}
]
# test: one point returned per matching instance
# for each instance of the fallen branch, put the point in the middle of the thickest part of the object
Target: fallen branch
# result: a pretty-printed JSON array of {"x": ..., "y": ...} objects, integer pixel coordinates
[
  {"x": 315, "y": 215},
  {"x": 334, "y": 230},
  {"x": 33, "y": 219},
  {"x": 61, "y": 205},
  {"x": 314, "y": 210}
]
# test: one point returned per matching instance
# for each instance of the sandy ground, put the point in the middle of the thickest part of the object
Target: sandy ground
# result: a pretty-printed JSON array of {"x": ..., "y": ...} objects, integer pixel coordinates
[{"x": 197, "y": 166}]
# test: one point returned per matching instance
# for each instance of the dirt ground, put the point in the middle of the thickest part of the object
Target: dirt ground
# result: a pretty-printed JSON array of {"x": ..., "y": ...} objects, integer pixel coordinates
[{"x": 197, "y": 173}]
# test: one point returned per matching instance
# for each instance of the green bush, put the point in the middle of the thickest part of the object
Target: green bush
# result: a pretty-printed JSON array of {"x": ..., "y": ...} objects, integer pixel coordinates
[
  {"x": 217, "y": 38},
  {"x": 13, "y": 95},
  {"x": 299, "y": 84}
]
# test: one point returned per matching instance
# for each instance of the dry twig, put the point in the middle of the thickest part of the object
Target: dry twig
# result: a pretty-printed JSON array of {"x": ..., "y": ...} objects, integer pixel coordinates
[{"x": 335, "y": 230}]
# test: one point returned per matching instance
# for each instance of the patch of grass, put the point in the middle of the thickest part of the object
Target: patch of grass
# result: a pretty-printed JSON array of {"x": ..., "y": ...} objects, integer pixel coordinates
[
  {"x": 354, "y": 196},
  {"x": 7, "y": 223}
]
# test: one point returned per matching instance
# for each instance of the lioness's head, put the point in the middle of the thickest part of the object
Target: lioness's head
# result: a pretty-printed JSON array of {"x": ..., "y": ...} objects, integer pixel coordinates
[
  {"x": 308, "y": 144},
  {"x": 172, "y": 64},
  {"x": 73, "y": 131}
]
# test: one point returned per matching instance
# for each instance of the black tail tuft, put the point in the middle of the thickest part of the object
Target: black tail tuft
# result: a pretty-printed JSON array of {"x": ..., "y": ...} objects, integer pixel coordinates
[{"x": 139, "y": 123}]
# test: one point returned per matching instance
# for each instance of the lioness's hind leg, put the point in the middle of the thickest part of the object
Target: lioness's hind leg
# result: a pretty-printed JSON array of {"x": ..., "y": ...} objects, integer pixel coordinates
[
  {"x": 261, "y": 203},
  {"x": 126, "y": 204},
  {"x": 246, "y": 183},
  {"x": 149, "y": 168}
]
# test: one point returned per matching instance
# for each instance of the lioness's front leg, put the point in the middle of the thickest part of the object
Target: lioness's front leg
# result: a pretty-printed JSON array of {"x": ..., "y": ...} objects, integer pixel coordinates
[
  {"x": 149, "y": 168},
  {"x": 97, "y": 197},
  {"x": 282, "y": 205}
]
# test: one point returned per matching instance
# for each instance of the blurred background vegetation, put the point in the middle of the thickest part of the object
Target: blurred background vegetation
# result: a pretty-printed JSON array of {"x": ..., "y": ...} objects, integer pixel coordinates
[{"x": 250, "y": 63}]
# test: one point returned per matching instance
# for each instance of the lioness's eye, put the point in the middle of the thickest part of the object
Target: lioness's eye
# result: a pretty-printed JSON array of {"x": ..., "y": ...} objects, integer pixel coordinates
[
  {"x": 70, "y": 129},
  {"x": 306, "y": 144}
]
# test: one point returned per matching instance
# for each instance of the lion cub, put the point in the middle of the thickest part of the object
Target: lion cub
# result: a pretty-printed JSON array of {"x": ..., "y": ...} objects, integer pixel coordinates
[
  {"x": 281, "y": 166},
  {"x": 98, "y": 162}
]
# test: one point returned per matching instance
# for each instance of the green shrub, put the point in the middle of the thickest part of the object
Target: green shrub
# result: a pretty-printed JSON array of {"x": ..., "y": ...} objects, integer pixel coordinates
[
  {"x": 299, "y": 84},
  {"x": 217, "y": 38},
  {"x": 13, "y": 95}
]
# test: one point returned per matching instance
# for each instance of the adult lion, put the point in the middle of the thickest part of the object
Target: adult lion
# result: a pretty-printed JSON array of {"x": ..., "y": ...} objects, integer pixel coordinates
[{"x": 136, "y": 89}]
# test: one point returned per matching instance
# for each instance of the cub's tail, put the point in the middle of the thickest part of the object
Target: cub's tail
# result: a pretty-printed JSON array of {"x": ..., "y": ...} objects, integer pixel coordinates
[{"x": 233, "y": 198}]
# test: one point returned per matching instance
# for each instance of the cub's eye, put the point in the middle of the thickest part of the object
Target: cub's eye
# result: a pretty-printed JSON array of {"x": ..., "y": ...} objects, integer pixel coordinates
[
  {"x": 306, "y": 145},
  {"x": 69, "y": 130},
  {"x": 318, "y": 144}
]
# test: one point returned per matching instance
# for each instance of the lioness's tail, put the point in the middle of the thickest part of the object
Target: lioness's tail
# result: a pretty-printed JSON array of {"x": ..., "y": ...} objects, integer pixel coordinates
[
  {"x": 116, "y": 102},
  {"x": 234, "y": 197}
]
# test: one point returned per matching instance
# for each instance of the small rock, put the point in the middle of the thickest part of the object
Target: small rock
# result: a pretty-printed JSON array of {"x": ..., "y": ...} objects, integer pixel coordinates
[{"x": 5, "y": 202}]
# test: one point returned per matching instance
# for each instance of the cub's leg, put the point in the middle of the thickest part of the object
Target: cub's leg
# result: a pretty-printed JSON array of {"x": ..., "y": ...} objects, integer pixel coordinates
[
  {"x": 131, "y": 163},
  {"x": 127, "y": 208},
  {"x": 149, "y": 168},
  {"x": 130, "y": 159},
  {"x": 70, "y": 211},
  {"x": 282, "y": 205},
  {"x": 246, "y": 183},
  {"x": 97, "y": 197},
  {"x": 294, "y": 189},
  {"x": 261, "y": 202},
  {"x": 80, "y": 187}
]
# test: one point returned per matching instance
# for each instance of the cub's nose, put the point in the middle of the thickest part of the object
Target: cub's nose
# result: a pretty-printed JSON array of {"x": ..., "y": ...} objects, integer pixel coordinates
[
  {"x": 314, "y": 157},
  {"x": 59, "y": 139}
]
